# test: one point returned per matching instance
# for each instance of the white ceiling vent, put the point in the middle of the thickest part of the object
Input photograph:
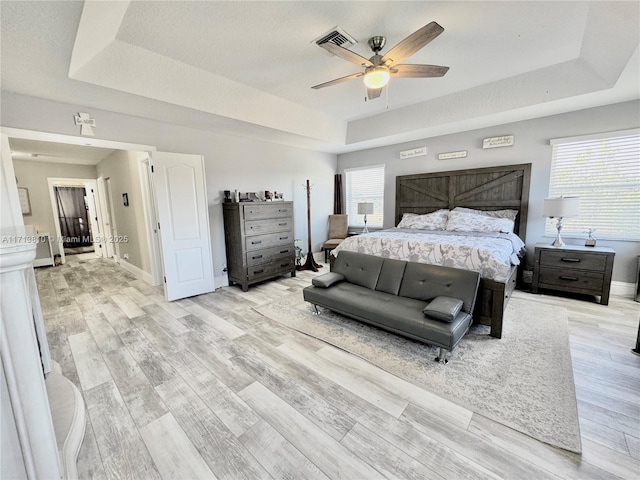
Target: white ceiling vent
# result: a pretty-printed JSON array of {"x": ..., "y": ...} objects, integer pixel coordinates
[{"x": 338, "y": 36}]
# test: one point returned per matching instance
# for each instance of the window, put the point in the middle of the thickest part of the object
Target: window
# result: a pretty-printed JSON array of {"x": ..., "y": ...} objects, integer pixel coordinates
[
  {"x": 604, "y": 171},
  {"x": 365, "y": 185}
]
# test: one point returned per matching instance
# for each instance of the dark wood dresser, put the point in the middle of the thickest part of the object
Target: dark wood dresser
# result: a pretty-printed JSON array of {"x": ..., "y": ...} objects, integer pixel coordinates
[
  {"x": 573, "y": 268},
  {"x": 259, "y": 241}
]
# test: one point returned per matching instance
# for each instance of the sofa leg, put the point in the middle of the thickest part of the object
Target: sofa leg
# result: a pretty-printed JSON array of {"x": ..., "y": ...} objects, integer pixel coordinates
[
  {"x": 442, "y": 356},
  {"x": 316, "y": 312}
]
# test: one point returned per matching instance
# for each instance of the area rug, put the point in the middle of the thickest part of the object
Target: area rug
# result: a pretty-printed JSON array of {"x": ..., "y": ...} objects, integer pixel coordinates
[{"x": 523, "y": 381}]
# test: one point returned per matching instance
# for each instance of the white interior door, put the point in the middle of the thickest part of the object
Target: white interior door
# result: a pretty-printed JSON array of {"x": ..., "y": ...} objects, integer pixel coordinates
[{"x": 181, "y": 202}]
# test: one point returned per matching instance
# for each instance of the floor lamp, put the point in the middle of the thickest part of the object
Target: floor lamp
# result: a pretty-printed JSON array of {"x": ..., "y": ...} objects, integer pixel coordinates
[{"x": 365, "y": 208}]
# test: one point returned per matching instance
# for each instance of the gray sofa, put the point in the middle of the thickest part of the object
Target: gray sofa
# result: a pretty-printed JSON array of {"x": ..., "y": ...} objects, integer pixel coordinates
[{"x": 430, "y": 303}]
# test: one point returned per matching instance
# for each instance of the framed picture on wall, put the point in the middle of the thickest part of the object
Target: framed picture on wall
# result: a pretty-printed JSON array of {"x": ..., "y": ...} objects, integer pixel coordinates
[{"x": 25, "y": 203}]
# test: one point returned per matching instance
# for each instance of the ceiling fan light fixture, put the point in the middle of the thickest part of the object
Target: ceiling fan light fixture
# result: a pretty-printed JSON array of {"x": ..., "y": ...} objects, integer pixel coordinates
[{"x": 376, "y": 77}]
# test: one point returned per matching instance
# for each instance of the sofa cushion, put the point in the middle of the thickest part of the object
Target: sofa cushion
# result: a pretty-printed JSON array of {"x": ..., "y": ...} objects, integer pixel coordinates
[
  {"x": 391, "y": 276},
  {"x": 327, "y": 279},
  {"x": 443, "y": 308},
  {"x": 425, "y": 282},
  {"x": 358, "y": 268}
]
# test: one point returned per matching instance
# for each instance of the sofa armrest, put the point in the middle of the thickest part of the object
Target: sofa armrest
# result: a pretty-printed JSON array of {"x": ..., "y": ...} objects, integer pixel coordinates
[
  {"x": 327, "y": 279},
  {"x": 443, "y": 308}
]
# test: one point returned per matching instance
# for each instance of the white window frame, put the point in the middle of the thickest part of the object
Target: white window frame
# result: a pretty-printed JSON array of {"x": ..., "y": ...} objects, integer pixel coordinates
[
  {"x": 376, "y": 219},
  {"x": 610, "y": 204}
]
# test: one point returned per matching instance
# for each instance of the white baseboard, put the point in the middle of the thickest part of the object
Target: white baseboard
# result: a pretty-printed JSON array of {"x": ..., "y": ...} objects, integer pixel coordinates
[
  {"x": 623, "y": 289},
  {"x": 138, "y": 272}
]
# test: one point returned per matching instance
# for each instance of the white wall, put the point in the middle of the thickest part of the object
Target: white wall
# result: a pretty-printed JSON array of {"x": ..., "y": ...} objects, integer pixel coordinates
[
  {"x": 33, "y": 175},
  {"x": 231, "y": 162},
  {"x": 531, "y": 146},
  {"x": 123, "y": 170}
]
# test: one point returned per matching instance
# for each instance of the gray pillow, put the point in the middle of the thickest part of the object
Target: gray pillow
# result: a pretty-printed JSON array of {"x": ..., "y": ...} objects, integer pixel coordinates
[
  {"x": 327, "y": 279},
  {"x": 443, "y": 308}
]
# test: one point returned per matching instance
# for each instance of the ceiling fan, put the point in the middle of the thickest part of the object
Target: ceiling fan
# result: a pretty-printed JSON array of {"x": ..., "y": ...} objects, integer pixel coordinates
[{"x": 378, "y": 69}]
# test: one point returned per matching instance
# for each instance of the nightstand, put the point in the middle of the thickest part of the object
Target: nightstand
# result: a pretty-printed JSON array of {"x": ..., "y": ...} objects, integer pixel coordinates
[{"x": 573, "y": 268}]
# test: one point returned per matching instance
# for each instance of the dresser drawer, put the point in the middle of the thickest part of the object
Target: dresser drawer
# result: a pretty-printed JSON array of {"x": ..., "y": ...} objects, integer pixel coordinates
[
  {"x": 275, "y": 210},
  {"x": 575, "y": 279},
  {"x": 259, "y": 242},
  {"x": 267, "y": 255},
  {"x": 578, "y": 260},
  {"x": 268, "y": 270},
  {"x": 256, "y": 227}
]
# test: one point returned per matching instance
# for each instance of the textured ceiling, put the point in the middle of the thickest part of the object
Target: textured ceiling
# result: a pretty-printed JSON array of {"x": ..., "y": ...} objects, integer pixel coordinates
[{"x": 247, "y": 67}]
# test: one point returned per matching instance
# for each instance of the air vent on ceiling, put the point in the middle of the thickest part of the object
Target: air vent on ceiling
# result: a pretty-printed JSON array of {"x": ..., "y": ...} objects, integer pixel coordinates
[{"x": 338, "y": 36}]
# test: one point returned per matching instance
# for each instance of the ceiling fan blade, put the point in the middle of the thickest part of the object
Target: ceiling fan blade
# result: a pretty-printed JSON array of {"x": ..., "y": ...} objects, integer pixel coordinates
[
  {"x": 373, "y": 93},
  {"x": 338, "y": 80},
  {"x": 418, "y": 71},
  {"x": 345, "y": 54},
  {"x": 412, "y": 43}
]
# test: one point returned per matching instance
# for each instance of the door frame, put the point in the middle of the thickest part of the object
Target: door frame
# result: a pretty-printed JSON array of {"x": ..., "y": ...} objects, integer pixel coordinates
[
  {"x": 106, "y": 217},
  {"x": 151, "y": 218},
  {"x": 8, "y": 132}
]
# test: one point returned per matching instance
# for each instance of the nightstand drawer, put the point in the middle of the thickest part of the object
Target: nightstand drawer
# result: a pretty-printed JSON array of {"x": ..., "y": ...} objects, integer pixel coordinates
[
  {"x": 577, "y": 260},
  {"x": 574, "y": 279}
]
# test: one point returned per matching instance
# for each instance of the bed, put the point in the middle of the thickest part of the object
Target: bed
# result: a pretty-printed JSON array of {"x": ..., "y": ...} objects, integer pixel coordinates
[{"x": 460, "y": 195}]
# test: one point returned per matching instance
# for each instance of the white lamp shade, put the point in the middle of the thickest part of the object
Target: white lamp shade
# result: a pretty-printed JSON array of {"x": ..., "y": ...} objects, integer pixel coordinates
[
  {"x": 365, "y": 208},
  {"x": 561, "y": 207}
]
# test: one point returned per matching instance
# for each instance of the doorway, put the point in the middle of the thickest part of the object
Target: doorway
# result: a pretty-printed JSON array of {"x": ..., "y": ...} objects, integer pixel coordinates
[
  {"x": 77, "y": 216},
  {"x": 187, "y": 166},
  {"x": 73, "y": 218}
]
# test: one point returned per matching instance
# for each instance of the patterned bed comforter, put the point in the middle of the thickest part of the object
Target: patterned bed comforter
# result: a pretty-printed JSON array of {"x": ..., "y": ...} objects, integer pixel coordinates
[{"x": 491, "y": 254}]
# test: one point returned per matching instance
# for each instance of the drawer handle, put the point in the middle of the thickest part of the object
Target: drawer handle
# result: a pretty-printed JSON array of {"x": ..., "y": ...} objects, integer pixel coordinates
[
  {"x": 256, "y": 242},
  {"x": 282, "y": 210},
  {"x": 284, "y": 251},
  {"x": 282, "y": 224},
  {"x": 284, "y": 238},
  {"x": 568, "y": 259},
  {"x": 572, "y": 279},
  {"x": 258, "y": 271},
  {"x": 256, "y": 257},
  {"x": 284, "y": 264}
]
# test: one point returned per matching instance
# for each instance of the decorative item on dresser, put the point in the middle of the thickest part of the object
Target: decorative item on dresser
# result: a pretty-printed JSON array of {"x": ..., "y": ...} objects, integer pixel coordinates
[
  {"x": 573, "y": 268},
  {"x": 259, "y": 241}
]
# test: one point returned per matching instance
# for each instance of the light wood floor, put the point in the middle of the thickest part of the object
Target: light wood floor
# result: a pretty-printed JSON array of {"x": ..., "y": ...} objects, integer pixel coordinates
[{"x": 207, "y": 388}]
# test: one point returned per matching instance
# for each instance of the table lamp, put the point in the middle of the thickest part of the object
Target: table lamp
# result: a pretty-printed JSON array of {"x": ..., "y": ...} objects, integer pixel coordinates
[
  {"x": 365, "y": 209},
  {"x": 561, "y": 207}
]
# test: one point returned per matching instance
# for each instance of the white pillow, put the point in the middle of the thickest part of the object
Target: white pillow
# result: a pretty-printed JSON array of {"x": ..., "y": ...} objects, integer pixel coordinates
[
  {"x": 430, "y": 221},
  {"x": 510, "y": 214},
  {"x": 470, "y": 222}
]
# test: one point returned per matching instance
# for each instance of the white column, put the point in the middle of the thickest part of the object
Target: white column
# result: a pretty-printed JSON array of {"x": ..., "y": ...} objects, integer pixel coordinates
[{"x": 22, "y": 369}]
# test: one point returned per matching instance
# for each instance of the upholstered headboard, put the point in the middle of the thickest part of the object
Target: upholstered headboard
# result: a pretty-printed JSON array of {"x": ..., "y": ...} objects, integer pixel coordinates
[{"x": 491, "y": 188}]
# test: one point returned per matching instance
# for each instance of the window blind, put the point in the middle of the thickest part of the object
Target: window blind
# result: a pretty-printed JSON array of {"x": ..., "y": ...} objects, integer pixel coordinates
[
  {"x": 365, "y": 185},
  {"x": 605, "y": 173}
]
